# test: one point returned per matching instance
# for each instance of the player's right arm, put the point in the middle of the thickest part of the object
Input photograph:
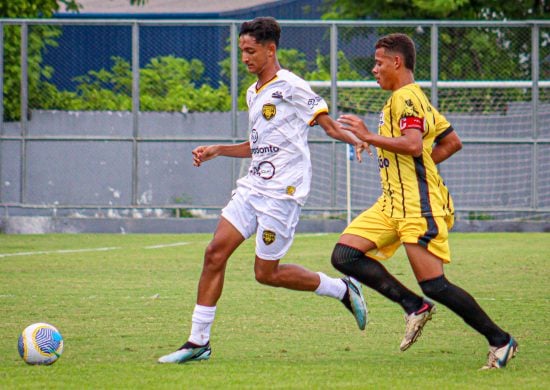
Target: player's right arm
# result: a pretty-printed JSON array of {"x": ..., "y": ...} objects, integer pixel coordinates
[
  {"x": 208, "y": 152},
  {"x": 445, "y": 147}
]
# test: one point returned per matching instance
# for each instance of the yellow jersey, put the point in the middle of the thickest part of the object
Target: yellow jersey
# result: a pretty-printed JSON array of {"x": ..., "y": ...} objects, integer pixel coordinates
[{"x": 412, "y": 186}]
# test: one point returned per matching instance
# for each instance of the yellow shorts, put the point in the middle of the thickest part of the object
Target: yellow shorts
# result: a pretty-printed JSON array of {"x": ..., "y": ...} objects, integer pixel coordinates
[{"x": 389, "y": 233}]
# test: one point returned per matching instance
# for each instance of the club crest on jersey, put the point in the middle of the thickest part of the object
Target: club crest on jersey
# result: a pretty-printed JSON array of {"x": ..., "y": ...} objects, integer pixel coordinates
[
  {"x": 409, "y": 109},
  {"x": 268, "y": 237},
  {"x": 290, "y": 190},
  {"x": 269, "y": 110}
]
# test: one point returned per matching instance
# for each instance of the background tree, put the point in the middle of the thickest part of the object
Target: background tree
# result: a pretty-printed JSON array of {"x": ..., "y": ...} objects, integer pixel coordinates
[
  {"x": 39, "y": 38},
  {"x": 437, "y": 9},
  {"x": 481, "y": 53}
]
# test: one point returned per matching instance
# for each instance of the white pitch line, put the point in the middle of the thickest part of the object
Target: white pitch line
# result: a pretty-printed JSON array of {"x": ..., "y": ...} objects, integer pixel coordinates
[
  {"x": 166, "y": 245},
  {"x": 311, "y": 234},
  {"x": 59, "y": 251}
]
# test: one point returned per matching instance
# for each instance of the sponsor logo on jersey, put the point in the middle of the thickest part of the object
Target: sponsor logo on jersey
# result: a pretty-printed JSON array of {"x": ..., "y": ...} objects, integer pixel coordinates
[
  {"x": 290, "y": 190},
  {"x": 268, "y": 237},
  {"x": 381, "y": 119},
  {"x": 277, "y": 95},
  {"x": 314, "y": 101},
  {"x": 269, "y": 149},
  {"x": 383, "y": 162},
  {"x": 254, "y": 136},
  {"x": 269, "y": 110},
  {"x": 265, "y": 170}
]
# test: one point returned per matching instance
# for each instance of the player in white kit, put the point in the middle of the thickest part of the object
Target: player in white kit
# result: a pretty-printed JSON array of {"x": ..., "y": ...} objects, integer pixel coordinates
[{"x": 268, "y": 200}]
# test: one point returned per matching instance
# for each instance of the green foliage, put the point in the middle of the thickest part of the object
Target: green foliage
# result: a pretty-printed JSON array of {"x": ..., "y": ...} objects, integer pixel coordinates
[
  {"x": 166, "y": 84},
  {"x": 437, "y": 9},
  {"x": 465, "y": 53},
  {"x": 39, "y": 39}
]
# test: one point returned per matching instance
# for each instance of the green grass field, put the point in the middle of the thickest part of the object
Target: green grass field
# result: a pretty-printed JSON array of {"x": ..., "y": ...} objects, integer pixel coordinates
[{"x": 121, "y": 301}]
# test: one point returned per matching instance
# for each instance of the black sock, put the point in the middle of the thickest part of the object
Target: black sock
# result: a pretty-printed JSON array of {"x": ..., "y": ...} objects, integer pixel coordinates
[
  {"x": 371, "y": 273},
  {"x": 463, "y": 304}
]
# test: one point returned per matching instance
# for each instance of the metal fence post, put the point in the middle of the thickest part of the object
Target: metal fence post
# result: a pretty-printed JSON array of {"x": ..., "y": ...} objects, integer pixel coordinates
[
  {"x": 535, "y": 31},
  {"x": 24, "y": 109},
  {"x": 434, "y": 68},
  {"x": 135, "y": 110},
  {"x": 1, "y": 100},
  {"x": 234, "y": 92}
]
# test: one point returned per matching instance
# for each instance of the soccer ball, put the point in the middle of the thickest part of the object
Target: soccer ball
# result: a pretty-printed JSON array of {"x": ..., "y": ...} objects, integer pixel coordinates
[{"x": 40, "y": 343}]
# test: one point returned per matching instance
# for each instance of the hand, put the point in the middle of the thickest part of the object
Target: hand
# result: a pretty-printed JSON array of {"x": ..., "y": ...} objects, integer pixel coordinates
[
  {"x": 359, "y": 148},
  {"x": 202, "y": 154},
  {"x": 355, "y": 125}
]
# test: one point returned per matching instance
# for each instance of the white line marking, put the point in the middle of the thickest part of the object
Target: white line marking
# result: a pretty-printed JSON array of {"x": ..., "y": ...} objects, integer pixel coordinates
[
  {"x": 59, "y": 251},
  {"x": 166, "y": 245},
  {"x": 311, "y": 234}
]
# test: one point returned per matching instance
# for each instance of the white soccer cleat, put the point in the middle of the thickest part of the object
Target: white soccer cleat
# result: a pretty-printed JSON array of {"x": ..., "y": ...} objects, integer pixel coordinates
[
  {"x": 415, "y": 322},
  {"x": 499, "y": 357}
]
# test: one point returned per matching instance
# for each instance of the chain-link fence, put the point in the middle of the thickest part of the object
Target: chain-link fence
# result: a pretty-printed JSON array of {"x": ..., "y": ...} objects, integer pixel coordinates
[{"x": 100, "y": 116}]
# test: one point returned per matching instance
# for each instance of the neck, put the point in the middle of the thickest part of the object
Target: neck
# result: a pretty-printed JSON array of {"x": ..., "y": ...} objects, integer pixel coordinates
[
  {"x": 267, "y": 74},
  {"x": 405, "y": 79}
]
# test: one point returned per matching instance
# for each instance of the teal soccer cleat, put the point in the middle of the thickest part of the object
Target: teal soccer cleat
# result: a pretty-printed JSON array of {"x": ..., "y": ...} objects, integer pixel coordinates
[
  {"x": 188, "y": 352},
  {"x": 355, "y": 302}
]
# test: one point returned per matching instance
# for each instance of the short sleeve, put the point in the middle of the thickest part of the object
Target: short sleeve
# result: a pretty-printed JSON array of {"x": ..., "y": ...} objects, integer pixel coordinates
[
  {"x": 442, "y": 126},
  {"x": 307, "y": 103}
]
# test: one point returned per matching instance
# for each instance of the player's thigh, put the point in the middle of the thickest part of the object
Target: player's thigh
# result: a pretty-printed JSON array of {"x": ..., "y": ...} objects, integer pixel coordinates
[
  {"x": 373, "y": 233},
  {"x": 426, "y": 241},
  {"x": 277, "y": 220},
  {"x": 224, "y": 242}
]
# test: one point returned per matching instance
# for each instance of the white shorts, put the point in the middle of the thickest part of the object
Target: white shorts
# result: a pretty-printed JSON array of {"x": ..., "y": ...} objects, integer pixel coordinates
[{"x": 273, "y": 220}]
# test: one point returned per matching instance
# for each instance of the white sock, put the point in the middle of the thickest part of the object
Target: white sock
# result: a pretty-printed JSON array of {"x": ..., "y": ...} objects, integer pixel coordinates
[
  {"x": 203, "y": 317},
  {"x": 331, "y": 287}
]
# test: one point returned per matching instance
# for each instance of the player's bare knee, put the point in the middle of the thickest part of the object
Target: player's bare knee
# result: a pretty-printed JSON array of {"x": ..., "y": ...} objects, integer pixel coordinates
[
  {"x": 266, "y": 278},
  {"x": 214, "y": 260}
]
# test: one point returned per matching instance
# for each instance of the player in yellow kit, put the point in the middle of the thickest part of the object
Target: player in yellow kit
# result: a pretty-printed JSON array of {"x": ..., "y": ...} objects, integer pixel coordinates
[{"x": 415, "y": 208}]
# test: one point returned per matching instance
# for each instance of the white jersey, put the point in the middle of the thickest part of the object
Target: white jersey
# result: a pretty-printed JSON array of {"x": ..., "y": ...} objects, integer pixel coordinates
[{"x": 279, "y": 115}]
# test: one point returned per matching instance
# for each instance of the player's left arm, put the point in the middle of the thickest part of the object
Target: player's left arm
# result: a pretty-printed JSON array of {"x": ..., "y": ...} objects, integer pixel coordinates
[{"x": 445, "y": 146}]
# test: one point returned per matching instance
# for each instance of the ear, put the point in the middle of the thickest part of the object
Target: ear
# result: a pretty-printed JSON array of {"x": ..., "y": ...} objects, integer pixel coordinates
[
  {"x": 271, "y": 49},
  {"x": 397, "y": 61}
]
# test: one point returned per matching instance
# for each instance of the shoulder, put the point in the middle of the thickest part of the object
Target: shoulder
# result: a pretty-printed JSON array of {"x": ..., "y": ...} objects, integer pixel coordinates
[
  {"x": 291, "y": 79},
  {"x": 410, "y": 99},
  {"x": 410, "y": 91}
]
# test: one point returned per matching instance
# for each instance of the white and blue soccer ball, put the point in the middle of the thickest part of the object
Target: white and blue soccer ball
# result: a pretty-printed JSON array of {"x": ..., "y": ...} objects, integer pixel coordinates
[{"x": 40, "y": 343}]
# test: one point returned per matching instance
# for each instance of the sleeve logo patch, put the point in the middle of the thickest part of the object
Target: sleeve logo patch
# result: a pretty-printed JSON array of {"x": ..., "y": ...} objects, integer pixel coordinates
[{"x": 314, "y": 101}]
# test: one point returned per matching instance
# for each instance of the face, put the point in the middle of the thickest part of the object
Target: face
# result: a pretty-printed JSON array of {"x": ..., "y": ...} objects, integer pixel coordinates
[
  {"x": 255, "y": 55},
  {"x": 385, "y": 68}
]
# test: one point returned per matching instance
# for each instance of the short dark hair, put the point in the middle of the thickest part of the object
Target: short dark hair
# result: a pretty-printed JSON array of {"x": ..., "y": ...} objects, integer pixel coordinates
[
  {"x": 402, "y": 44},
  {"x": 263, "y": 29}
]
